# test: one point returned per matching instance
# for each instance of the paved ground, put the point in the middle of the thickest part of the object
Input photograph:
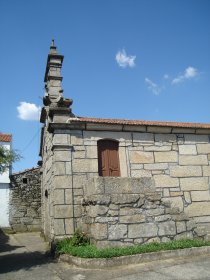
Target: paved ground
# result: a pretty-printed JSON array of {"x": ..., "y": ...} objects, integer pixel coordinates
[{"x": 22, "y": 256}]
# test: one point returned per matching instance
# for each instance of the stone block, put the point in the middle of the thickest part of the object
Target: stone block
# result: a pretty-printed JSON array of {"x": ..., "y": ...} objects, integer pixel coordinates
[
  {"x": 206, "y": 170},
  {"x": 167, "y": 228},
  {"x": 116, "y": 232},
  {"x": 85, "y": 165},
  {"x": 176, "y": 202},
  {"x": 167, "y": 138},
  {"x": 19, "y": 227},
  {"x": 177, "y": 193},
  {"x": 63, "y": 211},
  {"x": 156, "y": 166},
  {"x": 139, "y": 218},
  {"x": 92, "y": 151},
  {"x": 77, "y": 139},
  {"x": 187, "y": 197},
  {"x": 97, "y": 210},
  {"x": 142, "y": 230},
  {"x": 154, "y": 212},
  {"x": 140, "y": 173},
  {"x": 99, "y": 231},
  {"x": 143, "y": 137},
  {"x": 62, "y": 155},
  {"x": 166, "y": 156},
  {"x": 124, "y": 198},
  {"x": 94, "y": 186},
  {"x": 159, "y": 129},
  {"x": 157, "y": 148},
  {"x": 197, "y": 209},
  {"x": 185, "y": 171},
  {"x": 62, "y": 182},
  {"x": 141, "y": 157},
  {"x": 109, "y": 220},
  {"x": 203, "y": 148},
  {"x": 184, "y": 235},
  {"x": 132, "y": 128},
  {"x": 193, "y": 160},
  {"x": 180, "y": 227},
  {"x": 59, "y": 168},
  {"x": 165, "y": 181},
  {"x": 94, "y": 136},
  {"x": 58, "y": 196},
  {"x": 68, "y": 196},
  {"x": 129, "y": 211},
  {"x": 202, "y": 131},
  {"x": 191, "y": 224},
  {"x": 163, "y": 218},
  {"x": 187, "y": 150},
  {"x": 183, "y": 130},
  {"x": 193, "y": 184},
  {"x": 69, "y": 226},
  {"x": 194, "y": 139},
  {"x": 60, "y": 139},
  {"x": 200, "y": 195},
  {"x": 79, "y": 154},
  {"x": 59, "y": 228}
]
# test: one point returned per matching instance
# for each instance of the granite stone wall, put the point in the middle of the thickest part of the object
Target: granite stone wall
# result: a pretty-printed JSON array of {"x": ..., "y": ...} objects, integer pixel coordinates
[
  {"x": 127, "y": 211},
  {"x": 25, "y": 201}
]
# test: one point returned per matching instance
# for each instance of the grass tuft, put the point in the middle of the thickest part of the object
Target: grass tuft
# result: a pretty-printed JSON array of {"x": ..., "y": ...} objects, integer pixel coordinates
[{"x": 87, "y": 250}]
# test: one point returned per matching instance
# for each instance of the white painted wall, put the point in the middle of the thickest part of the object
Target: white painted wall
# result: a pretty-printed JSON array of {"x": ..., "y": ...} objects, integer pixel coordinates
[{"x": 4, "y": 195}]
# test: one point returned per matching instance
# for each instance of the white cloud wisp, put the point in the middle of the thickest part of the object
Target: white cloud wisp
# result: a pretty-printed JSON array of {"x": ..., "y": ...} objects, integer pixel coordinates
[
  {"x": 28, "y": 111},
  {"x": 189, "y": 73},
  {"x": 124, "y": 60},
  {"x": 153, "y": 86}
]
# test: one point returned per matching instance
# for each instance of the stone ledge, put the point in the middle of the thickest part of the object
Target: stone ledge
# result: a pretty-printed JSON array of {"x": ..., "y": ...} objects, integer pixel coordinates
[{"x": 99, "y": 263}]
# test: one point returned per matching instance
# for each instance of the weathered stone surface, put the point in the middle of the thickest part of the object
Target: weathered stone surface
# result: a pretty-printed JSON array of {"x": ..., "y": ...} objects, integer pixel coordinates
[
  {"x": 203, "y": 148},
  {"x": 62, "y": 155},
  {"x": 193, "y": 138},
  {"x": 143, "y": 137},
  {"x": 60, "y": 139},
  {"x": 63, "y": 211},
  {"x": 85, "y": 165},
  {"x": 97, "y": 210},
  {"x": 59, "y": 168},
  {"x": 156, "y": 166},
  {"x": 187, "y": 150},
  {"x": 132, "y": 219},
  {"x": 59, "y": 228},
  {"x": 68, "y": 196},
  {"x": 187, "y": 197},
  {"x": 129, "y": 211},
  {"x": 193, "y": 160},
  {"x": 62, "y": 182},
  {"x": 206, "y": 170},
  {"x": 157, "y": 148},
  {"x": 69, "y": 226},
  {"x": 116, "y": 232},
  {"x": 140, "y": 173},
  {"x": 165, "y": 181},
  {"x": 181, "y": 227},
  {"x": 92, "y": 152},
  {"x": 58, "y": 196},
  {"x": 166, "y": 156},
  {"x": 176, "y": 202},
  {"x": 163, "y": 218},
  {"x": 124, "y": 198},
  {"x": 99, "y": 231},
  {"x": 142, "y": 230},
  {"x": 185, "y": 171},
  {"x": 167, "y": 228},
  {"x": 190, "y": 184},
  {"x": 159, "y": 129},
  {"x": 184, "y": 235},
  {"x": 200, "y": 195},
  {"x": 167, "y": 138},
  {"x": 141, "y": 157},
  {"x": 197, "y": 209}
]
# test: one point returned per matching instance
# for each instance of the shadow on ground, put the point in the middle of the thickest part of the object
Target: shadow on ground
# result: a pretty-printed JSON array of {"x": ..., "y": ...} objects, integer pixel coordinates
[{"x": 14, "y": 258}]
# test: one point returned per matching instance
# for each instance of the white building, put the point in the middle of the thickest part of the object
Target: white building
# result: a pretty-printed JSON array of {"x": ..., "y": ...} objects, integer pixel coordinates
[{"x": 5, "y": 140}]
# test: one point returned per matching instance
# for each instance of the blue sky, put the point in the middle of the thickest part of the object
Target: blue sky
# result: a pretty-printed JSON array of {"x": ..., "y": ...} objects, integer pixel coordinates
[{"x": 128, "y": 59}]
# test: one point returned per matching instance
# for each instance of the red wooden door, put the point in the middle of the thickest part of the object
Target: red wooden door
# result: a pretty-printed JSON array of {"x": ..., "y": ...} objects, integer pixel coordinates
[{"x": 108, "y": 158}]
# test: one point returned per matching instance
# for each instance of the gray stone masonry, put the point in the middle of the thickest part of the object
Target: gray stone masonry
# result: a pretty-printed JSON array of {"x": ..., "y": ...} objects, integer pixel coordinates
[
  {"x": 127, "y": 211},
  {"x": 25, "y": 201}
]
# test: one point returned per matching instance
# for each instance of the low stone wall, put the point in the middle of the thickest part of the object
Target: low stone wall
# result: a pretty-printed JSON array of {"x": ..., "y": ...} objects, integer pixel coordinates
[
  {"x": 25, "y": 201},
  {"x": 126, "y": 211}
]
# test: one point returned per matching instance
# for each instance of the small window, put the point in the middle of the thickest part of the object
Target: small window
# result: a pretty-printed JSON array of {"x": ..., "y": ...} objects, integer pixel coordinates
[
  {"x": 108, "y": 158},
  {"x": 25, "y": 180}
]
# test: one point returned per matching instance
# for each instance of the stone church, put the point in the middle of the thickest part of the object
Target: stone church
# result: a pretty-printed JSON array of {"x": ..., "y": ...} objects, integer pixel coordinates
[{"x": 121, "y": 181}]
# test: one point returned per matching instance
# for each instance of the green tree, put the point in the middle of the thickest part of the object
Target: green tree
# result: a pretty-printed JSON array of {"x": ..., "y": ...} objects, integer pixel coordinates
[{"x": 7, "y": 157}]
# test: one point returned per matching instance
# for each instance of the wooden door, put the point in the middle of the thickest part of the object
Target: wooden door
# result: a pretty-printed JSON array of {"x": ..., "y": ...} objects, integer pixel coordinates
[{"x": 108, "y": 158}]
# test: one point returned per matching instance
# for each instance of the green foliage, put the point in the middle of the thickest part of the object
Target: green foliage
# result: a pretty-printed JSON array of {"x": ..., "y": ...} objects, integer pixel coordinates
[
  {"x": 7, "y": 157},
  {"x": 90, "y": 251}
]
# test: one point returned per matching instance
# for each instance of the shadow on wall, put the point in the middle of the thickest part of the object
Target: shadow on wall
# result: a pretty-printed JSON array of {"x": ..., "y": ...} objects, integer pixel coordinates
[{"x": 14, "y": 258}]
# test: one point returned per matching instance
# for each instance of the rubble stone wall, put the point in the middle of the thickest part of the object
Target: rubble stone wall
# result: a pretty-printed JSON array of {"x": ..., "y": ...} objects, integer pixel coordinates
[
  {"x": 127, "y": 211},
  {"x": 25, "y": 201}
]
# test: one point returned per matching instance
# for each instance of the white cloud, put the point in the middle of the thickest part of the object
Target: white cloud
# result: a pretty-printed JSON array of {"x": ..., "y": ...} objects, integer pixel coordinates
[
  {"x": 28, "y": 111},
  {"x": 189, "y": 73},
  {"x": 153, "y": 86},
  {"x": 124, "y": 60},
  {"x": 166, "y": 77}
]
